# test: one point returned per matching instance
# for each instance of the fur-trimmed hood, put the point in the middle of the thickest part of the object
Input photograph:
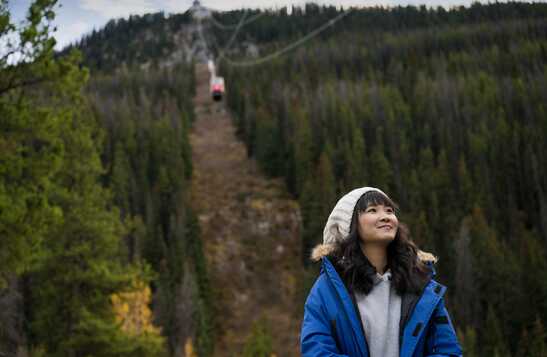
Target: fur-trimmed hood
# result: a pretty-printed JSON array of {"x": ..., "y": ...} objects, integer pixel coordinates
[{"x": 323, "y": 250}]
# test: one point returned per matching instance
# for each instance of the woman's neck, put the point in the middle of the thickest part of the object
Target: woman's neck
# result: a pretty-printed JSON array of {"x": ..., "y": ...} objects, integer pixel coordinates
[{"x": 377, "y": 256}]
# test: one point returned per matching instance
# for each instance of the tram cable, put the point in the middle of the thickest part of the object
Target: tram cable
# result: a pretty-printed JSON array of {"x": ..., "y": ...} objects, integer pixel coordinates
[
  {"x": 271, "y": 56},
  {"x": 235, "y": 26},
  {"x": 286, "y": 49}
]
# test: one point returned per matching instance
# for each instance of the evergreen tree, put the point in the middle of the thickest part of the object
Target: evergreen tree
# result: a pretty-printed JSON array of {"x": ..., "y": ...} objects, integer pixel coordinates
[
  {"x": 537, "y": 345},
  {"x": 121, "y": 179},
  {"x": 381, "y": 174},
  {"x": 494, "y": 341},
  {"x": 31, "y": 153},
  {"x": 303, "y": 148},
  {"x": 316, "y": 208},
  {"x": 259, "y": 343},
  {"x": 80, "y": 267},
  {"x": 69, "y": 255},
  {"x": 326, "y": 182},
  {"x": 267, "y": 151},
  {"x": 468, "y": 342},
  {"x": 524, "y": 344}
]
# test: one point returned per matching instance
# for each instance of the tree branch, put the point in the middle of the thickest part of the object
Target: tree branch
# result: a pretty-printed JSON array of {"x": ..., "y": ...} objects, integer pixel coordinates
[{"x": 24, "y": 83}]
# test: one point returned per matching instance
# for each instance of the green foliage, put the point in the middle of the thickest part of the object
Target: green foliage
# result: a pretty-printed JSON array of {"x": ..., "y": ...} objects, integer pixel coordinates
[
  {"x": 131, "y": 41},
  {"x": 532, "y": 341},
  {"x": 379, "y": 167},
  {"x": 538, "y": 346},
  {"x": 316, "y": 208},
  {"x": 147, "y": 115},
  {"x": 31, "y": 152},
  {"x": 70, "y": 242},
  {"x": 267, "y": 153},
  {"x": 494, "y": 339},
  {"x": 204, "y": 312},
  {"x": 303, "y": 150},
  {"x": 259, "y": 343},
  {"x": 468, "y": 340},
  {"x": 79, "y": 264}
]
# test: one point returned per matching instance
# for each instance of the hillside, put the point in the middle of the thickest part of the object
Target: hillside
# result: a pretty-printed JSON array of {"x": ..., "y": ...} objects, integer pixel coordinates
[
  {"x": 163, "y": 224},
  {"x": 251, "y": 232}
]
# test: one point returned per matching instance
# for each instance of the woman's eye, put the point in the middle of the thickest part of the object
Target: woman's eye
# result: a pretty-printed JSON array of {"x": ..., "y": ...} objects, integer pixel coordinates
[{"x": 371, "y": 210}]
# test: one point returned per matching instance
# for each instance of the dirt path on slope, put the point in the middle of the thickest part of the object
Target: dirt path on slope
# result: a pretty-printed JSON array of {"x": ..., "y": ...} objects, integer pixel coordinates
[{"x": 250, "y": 228}]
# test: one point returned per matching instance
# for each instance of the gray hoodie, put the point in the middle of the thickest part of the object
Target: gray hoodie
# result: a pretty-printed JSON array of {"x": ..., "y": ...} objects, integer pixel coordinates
[{"x": 380, "y": 312}]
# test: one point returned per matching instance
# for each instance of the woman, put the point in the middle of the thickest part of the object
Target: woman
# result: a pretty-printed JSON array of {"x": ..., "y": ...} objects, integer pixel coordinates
[{"x": 375, "y": 295}]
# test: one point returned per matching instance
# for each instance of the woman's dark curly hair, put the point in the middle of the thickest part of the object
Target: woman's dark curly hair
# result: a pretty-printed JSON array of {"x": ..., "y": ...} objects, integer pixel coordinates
[{"x": 408, "y": 274}]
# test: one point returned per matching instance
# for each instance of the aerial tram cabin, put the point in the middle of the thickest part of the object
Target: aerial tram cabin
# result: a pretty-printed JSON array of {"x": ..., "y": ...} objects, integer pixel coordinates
[{"x": 217, "y": 88}]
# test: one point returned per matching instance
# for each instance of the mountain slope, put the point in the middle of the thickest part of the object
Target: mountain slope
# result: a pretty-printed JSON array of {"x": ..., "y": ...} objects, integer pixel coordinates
[{"x": 250, "y": 227}]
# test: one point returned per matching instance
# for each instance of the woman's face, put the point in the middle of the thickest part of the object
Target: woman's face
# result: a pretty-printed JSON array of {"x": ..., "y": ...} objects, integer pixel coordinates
[{"x": 378, "y": 224}]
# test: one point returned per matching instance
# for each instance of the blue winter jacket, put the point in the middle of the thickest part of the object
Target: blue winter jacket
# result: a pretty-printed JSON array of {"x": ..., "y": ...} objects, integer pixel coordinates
[{"x": 332, "y": 325}]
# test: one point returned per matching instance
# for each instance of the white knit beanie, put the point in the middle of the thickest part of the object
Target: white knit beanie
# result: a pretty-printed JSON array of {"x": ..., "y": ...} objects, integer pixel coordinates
[{"x": 337, "y": 227}]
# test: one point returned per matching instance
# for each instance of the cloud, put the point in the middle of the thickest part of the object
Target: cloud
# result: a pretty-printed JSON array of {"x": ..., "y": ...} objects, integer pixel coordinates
[
  {"x": 238, "y": 4},
  {"x": 119, "y": 8},
  {"x": 431, "y": 3},
  {"x": 70, "y": 33},
  {"x": 175, "y": 5}
]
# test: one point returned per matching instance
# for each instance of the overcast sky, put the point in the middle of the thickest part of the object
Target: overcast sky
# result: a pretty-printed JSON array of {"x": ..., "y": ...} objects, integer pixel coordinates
[{"x": 77, "y": 17}]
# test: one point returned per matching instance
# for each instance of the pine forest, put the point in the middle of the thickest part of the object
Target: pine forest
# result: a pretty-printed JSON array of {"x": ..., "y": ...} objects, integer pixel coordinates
[{"x": 106, "y": 245}]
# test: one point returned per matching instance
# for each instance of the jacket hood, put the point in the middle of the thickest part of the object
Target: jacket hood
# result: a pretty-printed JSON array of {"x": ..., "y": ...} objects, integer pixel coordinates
[{"x": 323, "y": 250}]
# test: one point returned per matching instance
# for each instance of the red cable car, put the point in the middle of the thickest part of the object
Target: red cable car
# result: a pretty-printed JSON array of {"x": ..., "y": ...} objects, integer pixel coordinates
[{"x": 217, "y": 88}]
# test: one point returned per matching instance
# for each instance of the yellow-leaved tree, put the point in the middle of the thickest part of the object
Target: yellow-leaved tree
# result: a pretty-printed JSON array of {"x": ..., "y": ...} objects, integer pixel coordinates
[{"x": 132, "y": 311}]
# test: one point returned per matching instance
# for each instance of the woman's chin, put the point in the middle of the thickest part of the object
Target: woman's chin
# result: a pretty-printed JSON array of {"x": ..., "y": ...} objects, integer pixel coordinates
[{"x": 385, "y": 239}]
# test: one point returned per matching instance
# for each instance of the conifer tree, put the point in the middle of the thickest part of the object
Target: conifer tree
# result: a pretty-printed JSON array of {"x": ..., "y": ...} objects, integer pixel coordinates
[
  {"x": 30, "y": 152},
  {"x": 71, "y": 259},
  {"x": 267, "y": 148},
  {"x": 524, "y": 344},
  {"x": 121, "y": 179},
  {"x": 465, "y": 186},
  {"x": 537, "y": 346},
  {"x": 379, "y": 167},
  {"x": 303, "y": 148},
  {"x": 326, "y": 182},
  {"x": 469, "y": 342},
  {"x": 354, "y": 157},
  {"x": 494, "y": 340},
  {"x": 259, "y": 343},
  {"x": 80, "y": 268},
  {"x": 316, "y": 208}
]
